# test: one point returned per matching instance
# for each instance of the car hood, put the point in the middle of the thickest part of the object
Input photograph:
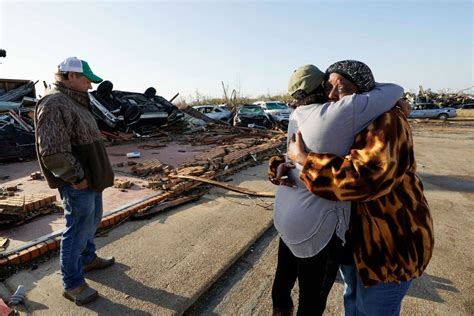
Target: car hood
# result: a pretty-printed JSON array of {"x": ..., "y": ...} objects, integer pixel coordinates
[
  {"x": 254, "y": 116},
  {"x": 286, "y": 111}
]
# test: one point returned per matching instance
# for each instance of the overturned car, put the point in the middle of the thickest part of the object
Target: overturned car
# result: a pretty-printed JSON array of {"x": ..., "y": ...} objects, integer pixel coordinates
[{"x": 124, "y": 111}]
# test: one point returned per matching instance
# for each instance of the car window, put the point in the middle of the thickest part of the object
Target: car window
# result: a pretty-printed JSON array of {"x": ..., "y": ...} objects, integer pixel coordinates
[
  {"x": 251, "y": 110},
  {"x": 276, "y": 106},
  {"x": 217, "y": 110},
  {"x": 426, "y": 106}
]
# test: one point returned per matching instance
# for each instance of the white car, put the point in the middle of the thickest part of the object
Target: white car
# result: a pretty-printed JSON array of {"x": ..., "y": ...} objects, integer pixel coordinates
[
  {"x": 215, "y": 112},
  {"x": 430, "y": 110},
  {"x": 279, "y": 111}
]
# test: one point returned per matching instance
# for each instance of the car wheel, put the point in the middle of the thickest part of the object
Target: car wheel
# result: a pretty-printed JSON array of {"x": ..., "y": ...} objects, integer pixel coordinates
[{"x": 443, "y": 117}]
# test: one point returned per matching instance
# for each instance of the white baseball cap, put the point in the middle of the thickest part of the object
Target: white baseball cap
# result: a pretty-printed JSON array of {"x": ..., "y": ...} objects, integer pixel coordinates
[{"x": 73, "y": 64}]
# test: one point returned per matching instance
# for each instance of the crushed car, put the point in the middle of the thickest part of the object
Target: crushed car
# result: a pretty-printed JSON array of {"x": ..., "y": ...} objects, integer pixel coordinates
[
  {"x": 433, "y": 111},
  {"x": 123, "y": 111},
  {"x": 17, "y": 102},
  {"x": 216, "y": 112},
  {"x": 279, "y": 111},
  {"x": 252, "y": 115}
]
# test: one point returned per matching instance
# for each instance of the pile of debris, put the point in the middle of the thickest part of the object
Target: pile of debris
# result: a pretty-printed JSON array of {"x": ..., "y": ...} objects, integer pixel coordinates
[
  {"x": 443, "y": 99},
  {"x": 120, "y": 114},
  {"x": 17, "y": 101},
  {"x": 16, "y": 210}
]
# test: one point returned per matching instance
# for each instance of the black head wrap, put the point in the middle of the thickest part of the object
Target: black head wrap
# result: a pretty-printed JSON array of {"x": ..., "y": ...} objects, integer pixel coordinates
[{"x": 355, "y": 71}]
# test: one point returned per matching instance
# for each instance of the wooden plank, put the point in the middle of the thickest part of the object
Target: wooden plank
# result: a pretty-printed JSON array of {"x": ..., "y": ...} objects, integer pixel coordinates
[{"x": 227, "y": 186}]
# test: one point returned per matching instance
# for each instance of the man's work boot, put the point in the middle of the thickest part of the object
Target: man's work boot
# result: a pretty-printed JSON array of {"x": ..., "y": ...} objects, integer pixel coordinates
[
  {"x": 81, "y": 295},
  {"x": 99, "y": 263}
]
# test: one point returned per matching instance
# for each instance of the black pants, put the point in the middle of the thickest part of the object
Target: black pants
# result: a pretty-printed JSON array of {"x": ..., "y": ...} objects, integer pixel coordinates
[{"x": 316, "y": 275}]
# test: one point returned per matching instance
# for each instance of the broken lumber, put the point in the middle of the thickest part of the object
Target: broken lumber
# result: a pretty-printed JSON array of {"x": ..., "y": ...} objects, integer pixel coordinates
[{"x": 226, "y": 186}]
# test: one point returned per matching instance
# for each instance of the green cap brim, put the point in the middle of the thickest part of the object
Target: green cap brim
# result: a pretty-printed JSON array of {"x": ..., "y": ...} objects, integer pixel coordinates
[{"x": 87, "y": 72}]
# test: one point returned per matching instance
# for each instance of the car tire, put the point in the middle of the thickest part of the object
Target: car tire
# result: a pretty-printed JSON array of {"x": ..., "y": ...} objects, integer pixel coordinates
[{"x": 443, "y": 117}]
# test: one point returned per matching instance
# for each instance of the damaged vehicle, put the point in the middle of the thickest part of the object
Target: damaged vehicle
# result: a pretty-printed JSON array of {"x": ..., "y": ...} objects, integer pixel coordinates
[
  {"x": 215, "y": 112},
  {"x": 17, "y": 102},
  {"x": 252, "y": 115},
  {"x": 123, "y": 110},
  {"x": 278, "y": 111},
  {"x": 17, "y": 139}
]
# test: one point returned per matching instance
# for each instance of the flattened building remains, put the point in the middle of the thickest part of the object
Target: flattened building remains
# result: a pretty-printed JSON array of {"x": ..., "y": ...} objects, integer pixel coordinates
[{"x": 162, "y": 157}]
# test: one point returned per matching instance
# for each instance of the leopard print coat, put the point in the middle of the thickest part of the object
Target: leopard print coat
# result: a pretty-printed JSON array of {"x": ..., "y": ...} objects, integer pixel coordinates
[{"x": 391, "y": 225}]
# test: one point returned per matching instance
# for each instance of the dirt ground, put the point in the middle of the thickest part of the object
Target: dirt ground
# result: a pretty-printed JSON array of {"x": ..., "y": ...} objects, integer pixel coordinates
[{"x": 444, "y": 153}]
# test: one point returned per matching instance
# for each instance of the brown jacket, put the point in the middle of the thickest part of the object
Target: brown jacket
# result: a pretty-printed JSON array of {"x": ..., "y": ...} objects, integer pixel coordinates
[
  {"x": 68, "y": 141},
  {"x": 391, "y": 228}
]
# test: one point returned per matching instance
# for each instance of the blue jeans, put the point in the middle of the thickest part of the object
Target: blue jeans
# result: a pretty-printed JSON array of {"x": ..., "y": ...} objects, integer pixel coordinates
[
  {"x": 383, "y": 299},
  {"x": 83, "y": 212}
]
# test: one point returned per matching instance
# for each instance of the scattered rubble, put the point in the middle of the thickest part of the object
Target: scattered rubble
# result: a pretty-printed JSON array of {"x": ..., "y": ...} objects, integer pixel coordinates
[
  {"x": 36, "y": 176},
  {"x": 123, "y": 183},
  {"x": 4, "y": 243},
  {"x": 17, "y": 101},
  {"x": 229, "y": 150},
  {"x": 8, "y": 191},
  {"x": 16, "y": 210},
  {"x": 444, "y": 99}
]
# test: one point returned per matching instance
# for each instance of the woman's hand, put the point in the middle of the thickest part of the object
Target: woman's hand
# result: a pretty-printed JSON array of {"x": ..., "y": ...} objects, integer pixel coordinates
[
  {"x": 282, "y": 175},
  {"x": 405, "y": 106},
  {"x": 296, "y": 151}
]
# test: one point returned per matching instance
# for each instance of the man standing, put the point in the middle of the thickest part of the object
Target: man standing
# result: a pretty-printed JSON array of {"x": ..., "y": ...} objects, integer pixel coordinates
[{"x": 73, "y": 159}]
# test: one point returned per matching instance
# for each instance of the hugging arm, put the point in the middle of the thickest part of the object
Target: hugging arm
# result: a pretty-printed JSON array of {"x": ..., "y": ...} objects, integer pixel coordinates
[
  {"x": 370, "y": 105},
  {"x": 376, "y": 163}
]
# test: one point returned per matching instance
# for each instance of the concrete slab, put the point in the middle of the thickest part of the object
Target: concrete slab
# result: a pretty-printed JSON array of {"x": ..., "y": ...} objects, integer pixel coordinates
[
  {"x": 164, "y": 264},
  {"x": 446, "y": 286},
  {"x": 19, "y": 172}
]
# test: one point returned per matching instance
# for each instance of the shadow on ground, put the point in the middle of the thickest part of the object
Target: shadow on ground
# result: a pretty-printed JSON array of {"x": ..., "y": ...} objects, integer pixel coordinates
[
  {"x": 454, "y": 183},
  {"x": 123, "y": 283}
]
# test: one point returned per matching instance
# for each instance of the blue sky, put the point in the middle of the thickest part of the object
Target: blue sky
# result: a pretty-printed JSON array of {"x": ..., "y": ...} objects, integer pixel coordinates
[{"x": 252, "y": 46}]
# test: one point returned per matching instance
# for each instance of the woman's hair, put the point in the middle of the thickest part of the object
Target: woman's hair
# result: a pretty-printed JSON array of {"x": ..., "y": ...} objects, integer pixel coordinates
[{"x": 317, "y": 96}]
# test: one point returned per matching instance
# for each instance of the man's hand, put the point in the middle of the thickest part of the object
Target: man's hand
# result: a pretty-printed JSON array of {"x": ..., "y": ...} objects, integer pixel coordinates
[
  {"x": 81, "y": 185},
  {"x": 296, "y": 151},
  {"x": 405, "y": 106},
  {"x": 282, "y": 175}
]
